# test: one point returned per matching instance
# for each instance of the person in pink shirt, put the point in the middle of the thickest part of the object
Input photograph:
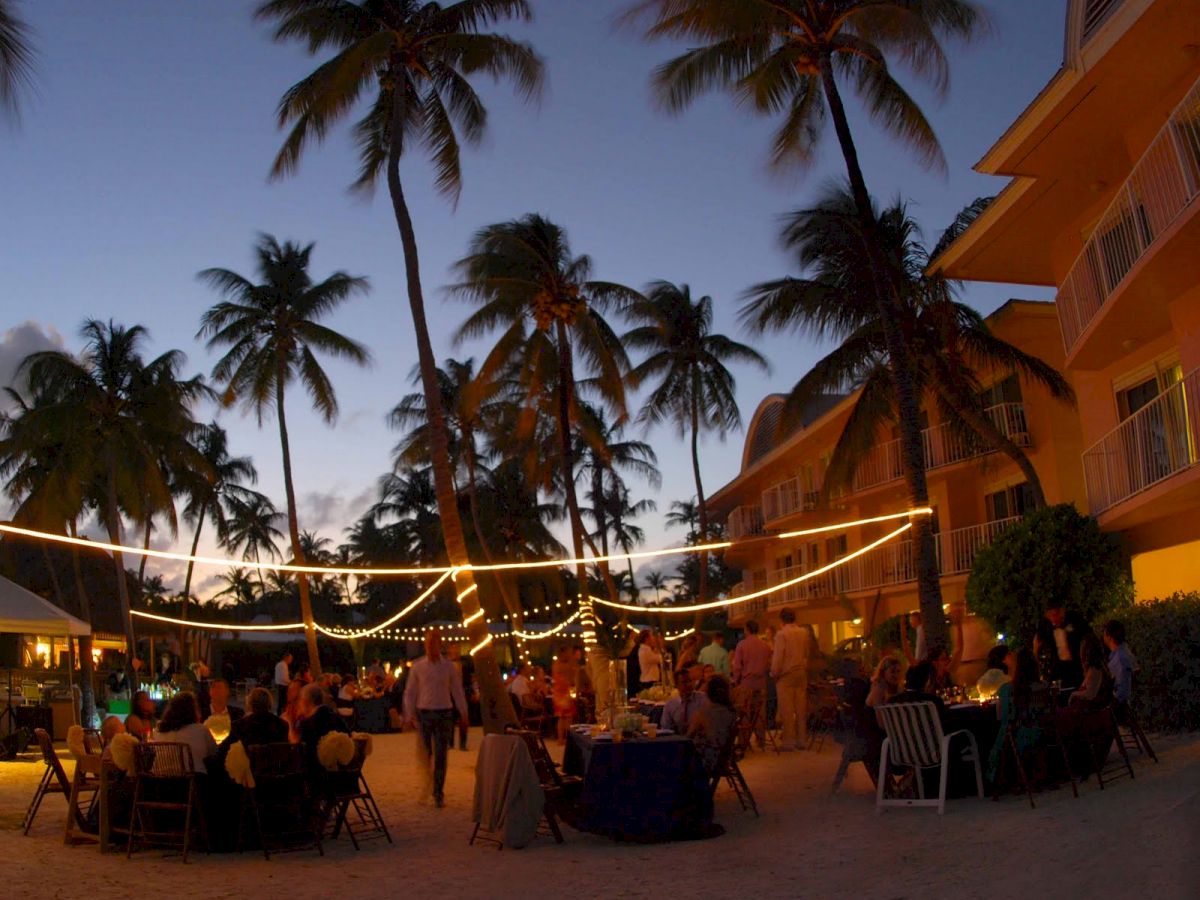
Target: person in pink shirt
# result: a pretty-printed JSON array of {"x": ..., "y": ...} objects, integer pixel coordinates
[{"x": 751, "y": 662}]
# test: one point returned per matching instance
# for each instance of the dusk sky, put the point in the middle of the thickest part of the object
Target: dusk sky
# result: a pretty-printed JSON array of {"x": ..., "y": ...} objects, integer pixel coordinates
[{"x": 143, "y": 157}]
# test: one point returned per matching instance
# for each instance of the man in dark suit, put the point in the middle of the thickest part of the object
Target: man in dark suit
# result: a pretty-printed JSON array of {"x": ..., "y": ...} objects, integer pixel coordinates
[
  {"x": 261, "y": 726},
  {"x": 216, "y": 703},
  {"x": 1059, "y": 635}
]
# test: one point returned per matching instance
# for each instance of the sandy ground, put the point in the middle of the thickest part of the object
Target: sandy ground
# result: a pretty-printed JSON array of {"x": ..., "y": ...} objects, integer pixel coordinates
[{"x": 1135, "y": 839}]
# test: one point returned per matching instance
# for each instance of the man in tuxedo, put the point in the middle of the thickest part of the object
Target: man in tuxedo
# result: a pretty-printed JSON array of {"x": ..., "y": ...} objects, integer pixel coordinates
[{"x": 1059, "y": 635}]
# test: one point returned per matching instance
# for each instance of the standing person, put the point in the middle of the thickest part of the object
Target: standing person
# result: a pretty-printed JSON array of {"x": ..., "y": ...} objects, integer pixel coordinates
[
  {"x": 1059, "y": 636},
  {"x": 633, "y": 671},
  {"x": 751, "y": 663},
  {"x": 283, "y": 677},
  {"x": 915, "y": 653},
  {"x": 466, "y": 671},
  {"x": 565, "y": 677},
  {"x": 649, "y": 660},
  {"x": 789, "y": 668},
  {"x": 689, "y": 653},
  {"x": 433, "y": 694},
  {"x": 716, "y": 655}
]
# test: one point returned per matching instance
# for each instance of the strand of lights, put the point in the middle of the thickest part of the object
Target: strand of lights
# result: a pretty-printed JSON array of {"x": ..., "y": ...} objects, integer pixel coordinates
[
  {"x": 366, "y": 632},
  {"x": 478, "y": 614},
  {"x": 487, "y": 640},
  {"x": 224, "y": 626},
  {"x": 540, "y": 635},
  {"x": 435, "y": 570},
  {"x": 682, "y": 634},
  {"x": 466, "y": 593},
  {"x": 823, "y": 529},
  {"x": 807, "y": 576}
]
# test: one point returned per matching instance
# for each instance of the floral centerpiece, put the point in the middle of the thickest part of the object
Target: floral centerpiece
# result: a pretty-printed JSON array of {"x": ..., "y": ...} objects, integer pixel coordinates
[
  {"x": 657, "y": 693},
  {"x": 629, "y": 723}
]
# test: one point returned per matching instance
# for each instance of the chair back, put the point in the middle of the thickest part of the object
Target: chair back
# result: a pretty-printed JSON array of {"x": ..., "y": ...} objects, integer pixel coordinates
[
  {"x": 547, "y": 773},
  {"x": 276, "y": 760},
  {"x": 50, "y": 757},
  {"x": 93, "y": 741},
  {"x": 914, "y": 733},
  {"x": 164, "y": 759}
]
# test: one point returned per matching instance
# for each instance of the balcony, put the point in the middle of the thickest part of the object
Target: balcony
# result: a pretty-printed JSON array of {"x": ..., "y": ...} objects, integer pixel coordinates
[
  {"x": 789, "y": 497},
  {"x": 1163, "y": 184},
  {"x": 887, "y": 566},
  {"x": 745, "y": 521},
  {"x": 943, "y": 447},
  {"x": 1156, "y": 442}
]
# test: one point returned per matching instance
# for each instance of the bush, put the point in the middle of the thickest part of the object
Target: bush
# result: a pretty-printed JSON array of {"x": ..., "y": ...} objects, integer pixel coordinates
[
  {"x": 1054, "y": 554},
  {"x": 1164, "y": 635}
]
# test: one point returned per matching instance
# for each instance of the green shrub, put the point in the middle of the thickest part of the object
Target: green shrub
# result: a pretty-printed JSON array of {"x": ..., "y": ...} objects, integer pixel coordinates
[
  {"x": 1055, "y": 553},
  {"x": 1164, "y": 635}
]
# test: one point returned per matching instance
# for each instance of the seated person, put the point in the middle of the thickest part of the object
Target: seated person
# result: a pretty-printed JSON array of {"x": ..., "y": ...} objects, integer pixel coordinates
[
  {"x": 711, "y": 728},
  {"x": 885, "y": 683},
  {"x": 261, "y": 726},
  {"x": 317, "y": 719},
  {"x": 110, "y": 728},
  {"x": 1022, "y": 702},
  {"x": 523, "y": 692},
  {"x": 348, "y": 691},
  {"x": 140, "y": 721},
  {"x": 181, "y": 724},
  {"x": 681, "y": 709},
  {"x": 218, "y": 702},
  {"x": 1121, "y": 662},
  {"x": 917, "y": 688},
  {"x": 1000, "y": 662},
  {"x": 1096, "y": 691}
]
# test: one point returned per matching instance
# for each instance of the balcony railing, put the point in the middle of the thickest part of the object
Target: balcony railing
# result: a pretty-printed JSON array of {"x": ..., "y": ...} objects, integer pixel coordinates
[
  {"x": 943, "y": 446},
  {"x": 1162, "y": 185},
  {"x": 1156, "y": 442},
  {"x": 788, "y": 497},
  {"x": 745, "y": 521},
  {"x": 889, "y": 565}
]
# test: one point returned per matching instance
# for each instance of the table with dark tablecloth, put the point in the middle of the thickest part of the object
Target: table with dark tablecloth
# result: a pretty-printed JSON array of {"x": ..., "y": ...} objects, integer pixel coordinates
[
  {"x": 641, "y": 790},
  {"x": 982, "y": 722},
  {"x": 371, "y": 714}
]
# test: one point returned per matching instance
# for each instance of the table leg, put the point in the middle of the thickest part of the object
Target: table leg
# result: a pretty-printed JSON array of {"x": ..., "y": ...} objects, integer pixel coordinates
[{"x": 104, "y": 811}]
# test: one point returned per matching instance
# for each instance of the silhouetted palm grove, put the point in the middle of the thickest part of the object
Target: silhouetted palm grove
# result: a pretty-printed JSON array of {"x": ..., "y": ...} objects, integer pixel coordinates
[{"x": 535, "y": 449}]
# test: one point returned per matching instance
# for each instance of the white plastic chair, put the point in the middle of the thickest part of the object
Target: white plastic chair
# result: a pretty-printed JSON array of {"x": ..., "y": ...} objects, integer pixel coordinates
[{"x": 915, "y": 739}]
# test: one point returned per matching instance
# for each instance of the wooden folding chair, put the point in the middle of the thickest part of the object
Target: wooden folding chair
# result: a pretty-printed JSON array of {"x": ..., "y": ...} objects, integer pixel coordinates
[
  {"x": 1130, "y": 731},
  {"x": 165, "y": 772},
  {"x": 54, "y": 779},
  {"x": 728, "y": 769},
  {"x": 915, "y": 740},
  {"x": 350, "y": 804},
  {"x": 1099, "y": 731},
  {"x": 279, "y": 803},
  {"x": 560, "y": 790}
]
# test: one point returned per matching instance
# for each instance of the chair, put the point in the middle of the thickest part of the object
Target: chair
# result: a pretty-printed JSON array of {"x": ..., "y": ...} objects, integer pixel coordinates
[
  {"x": 349, "y": 802},
  {"x": 1098, "y": 729},
  {"x": 822, "y": 716},
  {"x": 54, "y": 778},
  {"x": 855, "y": 740},
  {"x": 728, "y": 768},
  {"x": 164, "y": 784},
  {"x": 1130, "y": 731},
  {"x": 560, "y": 790},
  {"x": 279, "y": 803},
  {"x": 915, "y": 739}
]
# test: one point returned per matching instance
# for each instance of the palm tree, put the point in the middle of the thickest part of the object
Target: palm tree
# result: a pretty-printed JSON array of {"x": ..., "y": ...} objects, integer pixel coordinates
[
  {"x": 252, "y": 528},
  {"x": 528, "y": 283},
  {"x": 657, "y": 582},
  {"x": 786, "y": 57},
  {"x": 273, "y": 332},
  {"x": 949, "y": 342},
  {"x": 210, "y": 493},
  {"x": 687, "y": 363},
  {"x": 16, "y": 57},
  {"x": 416, "y": 59},
  {"x": 128, "y": 415},
  {"x": 238, "y": 587},
  {"x": 683, "y": 514}
]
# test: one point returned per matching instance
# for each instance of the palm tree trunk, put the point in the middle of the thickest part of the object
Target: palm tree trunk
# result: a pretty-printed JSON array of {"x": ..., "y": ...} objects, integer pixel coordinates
[
  {"x": 87, "y": 687},
  {"x": 701, "y": 505},
  {"x": 908, "y": 401},
  {"x": 114, "y": 537},
  {"x": 511, "y": 603},
  {"x": 145, "y": 546},
  {"x": 497, "y": 709},
  {"x": 185, "y": 599},
  {"x": 310, "y": 631}
]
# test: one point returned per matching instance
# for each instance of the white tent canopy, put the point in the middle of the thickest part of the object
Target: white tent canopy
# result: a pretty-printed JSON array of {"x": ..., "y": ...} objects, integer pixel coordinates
[{"x": 24, "y": 612}]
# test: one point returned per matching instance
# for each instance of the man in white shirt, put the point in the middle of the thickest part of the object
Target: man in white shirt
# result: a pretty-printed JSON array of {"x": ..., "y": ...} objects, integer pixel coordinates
[
  {"x": 789, "y": 668},
  {"x": 433, "y": 694},
  {"x": 283, "y": 678}
]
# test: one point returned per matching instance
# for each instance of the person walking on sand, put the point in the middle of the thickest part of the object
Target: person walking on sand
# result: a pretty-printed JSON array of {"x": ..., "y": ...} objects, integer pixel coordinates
[
  {"x": 789, "y": 668},
  {"x": 433, "y": 694},
  {"x": 283, "y": 678}
]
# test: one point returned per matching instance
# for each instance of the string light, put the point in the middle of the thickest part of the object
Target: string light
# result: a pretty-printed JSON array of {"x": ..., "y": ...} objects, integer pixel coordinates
[
  {"x": 823, "y": 529},
  {"x": 807, "y": 576},
  {"x": 478, "y": 614},
  {"x": 224, "y": 626},
  {"x": 487, "y": 640},
  {"x": 466, "y": 593},
  {"x": 682, "y": 634},
  {"x": 537, "y": 636}
]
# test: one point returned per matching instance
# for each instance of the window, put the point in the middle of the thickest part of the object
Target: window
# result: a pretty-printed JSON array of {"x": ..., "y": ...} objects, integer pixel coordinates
[
  {"x": 1006, "y": 391},
  {"x": 1144, "y": 388},
  {"x": 1013, "y": 500},
  {"x": 1095, "y": 14}
]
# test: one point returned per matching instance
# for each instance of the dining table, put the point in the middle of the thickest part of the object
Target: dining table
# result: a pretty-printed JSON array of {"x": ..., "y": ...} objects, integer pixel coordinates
[{"x": 639, "y": 789}]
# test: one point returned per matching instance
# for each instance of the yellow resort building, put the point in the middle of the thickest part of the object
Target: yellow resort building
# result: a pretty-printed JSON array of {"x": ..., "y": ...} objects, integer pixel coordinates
[
  {"x": 1103, "y": 204},
  {"x": 975, "y": 494}
]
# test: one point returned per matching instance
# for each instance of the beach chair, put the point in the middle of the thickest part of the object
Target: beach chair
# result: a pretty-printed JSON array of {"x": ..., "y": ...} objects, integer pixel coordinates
[
  {"x": 164, "y": 786},
  {"x": 915, "y": 740},
  {"x": 54, "y": 778}
]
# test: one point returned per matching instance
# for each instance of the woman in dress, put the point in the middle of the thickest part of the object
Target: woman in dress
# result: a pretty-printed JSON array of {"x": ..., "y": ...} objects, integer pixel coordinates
[
  {"x": 565, "y": 675},
  {"x": 181, "y": 724},
  {"x": 711, "y": 729},
  {"x": 291, "y": 710},
  {"x": 1017, "y": 710},
  {"x": 885, "y": 683}
]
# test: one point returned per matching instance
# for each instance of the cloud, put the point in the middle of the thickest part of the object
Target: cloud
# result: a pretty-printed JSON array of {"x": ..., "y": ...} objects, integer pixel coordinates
[
  {"x": 17, "y": 344},
  {"x": 332, "y": 510}
]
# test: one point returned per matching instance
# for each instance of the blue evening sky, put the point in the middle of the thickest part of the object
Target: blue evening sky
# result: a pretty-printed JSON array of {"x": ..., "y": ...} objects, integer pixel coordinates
[{"x": 143, "y": 158}]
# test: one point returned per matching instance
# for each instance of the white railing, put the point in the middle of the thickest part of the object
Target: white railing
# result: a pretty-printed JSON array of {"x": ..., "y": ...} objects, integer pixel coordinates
[
  {"x": 1162, "y": 185},
  {"x": 942, "y": 445},
  {"x": 1156, "y": 442},
  {"x": 889, "y": 565},
  {"x": 788, "y": 497},
  {"x": 745, "y": 521}
]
